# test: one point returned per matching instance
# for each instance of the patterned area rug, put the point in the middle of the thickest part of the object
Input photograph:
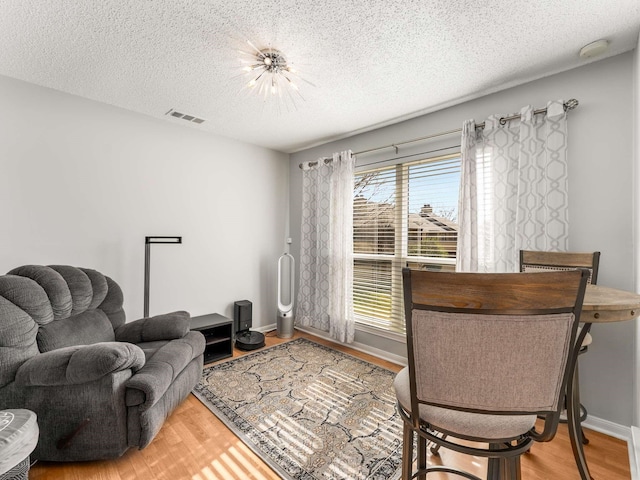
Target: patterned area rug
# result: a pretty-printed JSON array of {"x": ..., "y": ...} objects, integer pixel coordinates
[{"x": 310, "y": 412}]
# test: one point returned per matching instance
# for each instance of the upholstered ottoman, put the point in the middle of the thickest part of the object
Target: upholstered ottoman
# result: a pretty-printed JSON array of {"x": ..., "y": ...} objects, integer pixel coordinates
[{"x": 18, "y": 438}]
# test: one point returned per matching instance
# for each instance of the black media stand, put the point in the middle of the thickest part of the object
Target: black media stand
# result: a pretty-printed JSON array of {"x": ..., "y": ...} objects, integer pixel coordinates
[{"x": 218, "y": 333}]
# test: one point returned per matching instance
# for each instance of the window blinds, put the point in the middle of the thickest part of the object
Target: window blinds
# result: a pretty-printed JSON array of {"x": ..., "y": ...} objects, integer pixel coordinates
[{"x": 402, "y": 215}]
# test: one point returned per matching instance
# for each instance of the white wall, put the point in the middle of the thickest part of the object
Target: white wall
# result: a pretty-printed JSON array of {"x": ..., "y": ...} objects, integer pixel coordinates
[
  {"x": 82, "y": 183},
  {"x": 600, "y": 209}
]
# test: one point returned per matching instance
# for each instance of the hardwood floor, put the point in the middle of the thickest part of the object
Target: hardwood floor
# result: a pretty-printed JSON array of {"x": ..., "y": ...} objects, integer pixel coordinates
[{"x": 193, "y": 444}]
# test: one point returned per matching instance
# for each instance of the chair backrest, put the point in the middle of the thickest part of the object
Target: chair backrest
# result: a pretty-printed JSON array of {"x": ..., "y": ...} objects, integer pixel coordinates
[
  {"x": 492, "y": 343},
  {"x": 43, "y": 308},
  {"x": 537, "y": 261}
]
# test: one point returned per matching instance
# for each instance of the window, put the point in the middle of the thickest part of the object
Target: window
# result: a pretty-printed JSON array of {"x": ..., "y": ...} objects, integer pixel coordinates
[{"x": 403, "y": 215}]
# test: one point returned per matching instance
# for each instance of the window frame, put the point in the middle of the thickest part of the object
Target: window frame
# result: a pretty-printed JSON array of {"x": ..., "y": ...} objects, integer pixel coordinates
[{"x": 395, "y": 328}]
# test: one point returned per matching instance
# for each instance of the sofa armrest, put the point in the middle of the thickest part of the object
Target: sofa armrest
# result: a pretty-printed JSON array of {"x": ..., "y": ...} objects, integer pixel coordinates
[
  {"x": 79, "y": 364},
  {"x": 168, "y": 326},
  {"x": 151, "y": 382}
]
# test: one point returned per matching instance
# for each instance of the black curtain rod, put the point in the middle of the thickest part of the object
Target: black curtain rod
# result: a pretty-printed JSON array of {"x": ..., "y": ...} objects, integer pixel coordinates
[{"x": 568, "y": 105}]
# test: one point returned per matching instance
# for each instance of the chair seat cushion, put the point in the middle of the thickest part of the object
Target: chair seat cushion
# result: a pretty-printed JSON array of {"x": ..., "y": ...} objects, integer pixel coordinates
[
  {"x": 150, "y": 348},
  {"x": 464, "y": 424}
]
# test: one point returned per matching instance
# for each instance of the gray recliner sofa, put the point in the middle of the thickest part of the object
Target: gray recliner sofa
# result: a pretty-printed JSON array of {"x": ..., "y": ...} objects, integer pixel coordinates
[{"x": 98, "y": 385}]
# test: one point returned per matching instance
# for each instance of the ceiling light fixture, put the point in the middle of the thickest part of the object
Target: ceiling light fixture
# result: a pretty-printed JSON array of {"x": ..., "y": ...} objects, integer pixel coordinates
[{"x": 270, "y": 74}]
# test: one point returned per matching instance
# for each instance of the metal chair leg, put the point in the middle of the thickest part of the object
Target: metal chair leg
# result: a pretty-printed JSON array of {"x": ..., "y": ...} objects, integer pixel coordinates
[
  {"x": 422, "y": 456},
  {"x": 583, "y": 438},
  {"x": 407, "y": 451}
]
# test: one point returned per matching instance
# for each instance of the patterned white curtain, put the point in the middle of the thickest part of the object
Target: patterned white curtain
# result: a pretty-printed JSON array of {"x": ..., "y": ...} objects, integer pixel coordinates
[
  {"x": 325, "y": 293},
  {"x": 514, "y": 189}
]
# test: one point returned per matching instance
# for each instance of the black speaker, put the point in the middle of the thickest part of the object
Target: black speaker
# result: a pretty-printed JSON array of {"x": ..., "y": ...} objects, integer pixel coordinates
[{"x": 242, "y": 315}]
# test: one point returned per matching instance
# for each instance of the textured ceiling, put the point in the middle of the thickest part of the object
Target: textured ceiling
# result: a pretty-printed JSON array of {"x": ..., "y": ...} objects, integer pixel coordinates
[{"x": 372, "y": 62}]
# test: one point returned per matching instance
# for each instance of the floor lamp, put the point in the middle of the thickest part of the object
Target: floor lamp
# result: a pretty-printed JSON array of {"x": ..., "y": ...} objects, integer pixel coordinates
[{"x": 147, "y": 262}]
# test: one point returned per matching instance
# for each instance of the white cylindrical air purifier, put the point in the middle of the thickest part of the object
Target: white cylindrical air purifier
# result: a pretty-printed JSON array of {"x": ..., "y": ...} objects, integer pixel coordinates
[{"x": 286, "y": 272}]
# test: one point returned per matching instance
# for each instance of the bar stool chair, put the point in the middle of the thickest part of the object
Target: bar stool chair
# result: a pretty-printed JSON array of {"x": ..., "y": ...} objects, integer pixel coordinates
[
  {"x": 538, "y": 261},
  {"x": 487, "y": 355}
]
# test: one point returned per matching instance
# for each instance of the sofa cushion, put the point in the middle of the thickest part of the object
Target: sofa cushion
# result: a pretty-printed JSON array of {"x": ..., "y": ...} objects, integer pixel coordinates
[
  {"x": 53, "y": 284},
  {"x": 79, "y": 287},
  {"x": 112, "y": 304},
  {"x": 98, "y": 285},
  {"x": 86, "y": 328},
  {"x": 28, "y": 296},
  {"x": 17, "y": 339},
  {"x": 150, "y": 348}
]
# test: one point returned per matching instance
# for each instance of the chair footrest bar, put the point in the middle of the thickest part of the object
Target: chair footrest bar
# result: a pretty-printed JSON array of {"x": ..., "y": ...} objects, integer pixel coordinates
[{"x": 443, "y": 469}]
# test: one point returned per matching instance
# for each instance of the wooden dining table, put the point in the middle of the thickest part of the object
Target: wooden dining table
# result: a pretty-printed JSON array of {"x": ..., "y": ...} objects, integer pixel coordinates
[{"x": 601, "y": 305}]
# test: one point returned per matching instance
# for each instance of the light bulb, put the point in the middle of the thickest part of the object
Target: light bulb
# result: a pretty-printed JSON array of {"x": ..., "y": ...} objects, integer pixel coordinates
[{"x": 272, "y": 75}]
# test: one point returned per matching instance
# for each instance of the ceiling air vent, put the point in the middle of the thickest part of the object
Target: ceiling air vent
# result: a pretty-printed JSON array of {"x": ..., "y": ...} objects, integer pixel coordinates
[{"x": 185, "y": 116}]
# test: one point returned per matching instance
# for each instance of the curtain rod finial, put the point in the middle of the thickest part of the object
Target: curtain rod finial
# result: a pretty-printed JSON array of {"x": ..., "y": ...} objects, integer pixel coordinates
[{"x": 571, "y": 104}]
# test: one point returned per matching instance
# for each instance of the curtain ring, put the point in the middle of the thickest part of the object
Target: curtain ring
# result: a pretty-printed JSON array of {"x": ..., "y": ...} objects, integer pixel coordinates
[{"x": 503, "y": 121}]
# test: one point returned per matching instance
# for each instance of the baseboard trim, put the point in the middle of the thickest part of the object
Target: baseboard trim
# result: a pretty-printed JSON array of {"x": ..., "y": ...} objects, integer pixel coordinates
[
  {"x": 608, "y": 428},
  {"x": 634, "y": 453},
  {"x": 265, "y": 328},
  {"x": 361, "y": 347}
]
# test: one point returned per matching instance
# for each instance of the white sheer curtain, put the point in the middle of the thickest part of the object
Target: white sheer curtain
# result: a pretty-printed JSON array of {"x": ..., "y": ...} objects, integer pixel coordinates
[
  {"x": 325, "y": 293},
  {"x": 514, "y": 189}
]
